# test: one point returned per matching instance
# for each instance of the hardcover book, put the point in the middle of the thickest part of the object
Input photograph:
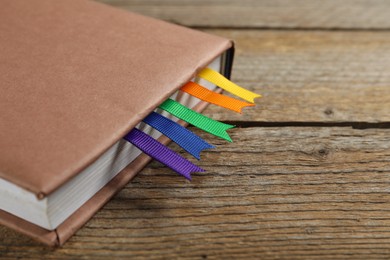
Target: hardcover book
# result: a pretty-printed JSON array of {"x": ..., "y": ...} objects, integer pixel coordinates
[{"x": 76, "y": 76}]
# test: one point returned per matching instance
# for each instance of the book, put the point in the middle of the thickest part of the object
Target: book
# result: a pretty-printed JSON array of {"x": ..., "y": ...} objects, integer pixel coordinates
[{"x": 76, "y": 76}]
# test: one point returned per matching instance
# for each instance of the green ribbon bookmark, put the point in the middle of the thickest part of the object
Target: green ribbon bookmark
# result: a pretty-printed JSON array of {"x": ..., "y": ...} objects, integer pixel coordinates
[{"x": 203, "y": 122}]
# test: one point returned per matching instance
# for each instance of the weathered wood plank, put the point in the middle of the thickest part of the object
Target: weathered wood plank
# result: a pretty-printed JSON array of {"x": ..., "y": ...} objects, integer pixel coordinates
[
  {"x": 305, "y": 14},
  {"x": 312, "y": 76},
  {"x": 275, "y": 193},
  {"x": 305, "y": 76}
]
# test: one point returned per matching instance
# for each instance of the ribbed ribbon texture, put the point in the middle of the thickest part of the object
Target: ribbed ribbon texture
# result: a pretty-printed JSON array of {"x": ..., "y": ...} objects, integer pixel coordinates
[
  {"x": 222, "y": 82},
  {"x": 186, "y": 139},
  {"x": 162, "y": 153},
  {"x": 209, "y": 96},
  {"x": 203, "y": 122}
]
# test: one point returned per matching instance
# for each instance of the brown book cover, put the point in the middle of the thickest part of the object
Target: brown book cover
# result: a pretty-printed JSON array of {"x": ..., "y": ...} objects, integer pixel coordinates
[{"x": 75, "y": 77}]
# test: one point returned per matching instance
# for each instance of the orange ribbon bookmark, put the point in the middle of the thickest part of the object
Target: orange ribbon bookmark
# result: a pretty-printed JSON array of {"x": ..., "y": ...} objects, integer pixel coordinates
[{"x": 209, "y": 96}]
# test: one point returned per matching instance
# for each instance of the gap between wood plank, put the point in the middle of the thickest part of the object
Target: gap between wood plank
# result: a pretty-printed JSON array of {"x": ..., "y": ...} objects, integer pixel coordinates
[
  {"x": 354, "y": 125},
  {"x": 284, "y": 28}
]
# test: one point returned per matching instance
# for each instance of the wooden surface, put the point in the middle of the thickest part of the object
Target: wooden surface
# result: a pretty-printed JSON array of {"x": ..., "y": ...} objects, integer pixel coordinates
[
  {"x": 308, "y": 174},
  {"x": 266, "y": 14}
]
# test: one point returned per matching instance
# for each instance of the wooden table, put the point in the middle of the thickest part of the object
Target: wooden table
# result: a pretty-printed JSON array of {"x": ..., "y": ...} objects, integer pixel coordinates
[{"x": 308, "y": 174}]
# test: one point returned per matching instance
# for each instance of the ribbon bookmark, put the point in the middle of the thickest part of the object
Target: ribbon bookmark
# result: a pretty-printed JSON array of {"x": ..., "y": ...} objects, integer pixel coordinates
[
  {"x": 162, "y": 153},
  {"x": 209, "y": 96},
  {"x": 177, "y": 133},
  {"x": 203, "y": 122},
  {"x": 219, "y": 80}
]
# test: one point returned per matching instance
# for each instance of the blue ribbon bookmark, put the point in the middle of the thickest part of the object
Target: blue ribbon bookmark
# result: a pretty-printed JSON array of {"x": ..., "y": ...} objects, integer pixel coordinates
[{"x": 186, "y": 139}]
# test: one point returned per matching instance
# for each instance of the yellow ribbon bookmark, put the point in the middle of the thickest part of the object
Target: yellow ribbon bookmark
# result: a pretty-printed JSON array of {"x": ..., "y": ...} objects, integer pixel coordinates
[
  {"x": 222, "y": 82},
  {"x": 209, "y": 96}
]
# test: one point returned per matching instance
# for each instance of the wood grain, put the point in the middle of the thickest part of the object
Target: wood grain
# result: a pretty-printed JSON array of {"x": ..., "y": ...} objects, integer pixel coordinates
[
  {"x": 309, "y": 76},
  {"x": 266, "y": 14},
  {"x": 275, "y": 193}
]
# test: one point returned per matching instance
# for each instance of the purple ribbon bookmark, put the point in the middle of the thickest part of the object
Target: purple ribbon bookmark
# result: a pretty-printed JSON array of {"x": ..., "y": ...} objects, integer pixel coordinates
[{"x": 161, "y": 153}]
